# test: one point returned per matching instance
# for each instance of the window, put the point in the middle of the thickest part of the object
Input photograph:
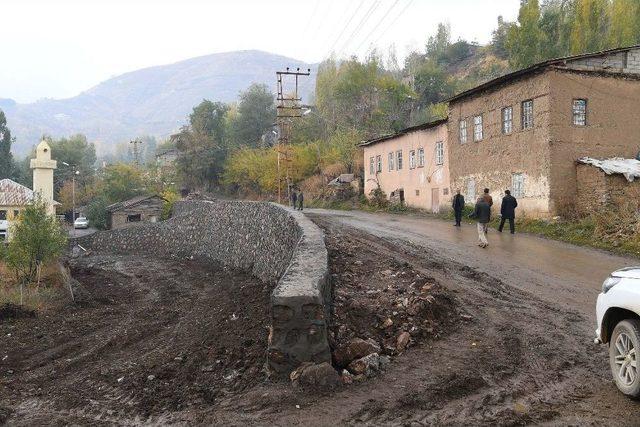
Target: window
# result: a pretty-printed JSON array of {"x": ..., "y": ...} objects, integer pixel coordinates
[
  {"x": 439, "y": 153},
  {"x": 417, "y": 192},
  {"x": 390, "y": 162},
  {"x": 471, "y": 190},
  {"x": 3, "y": 215},
  {"x": 16, "y": 213},
  {"x": 420, "y": 157},
  {"x": 399, "y": 156},
  {"x": 445, "y": 191},
  {"x": 477, "y": 128},
  {"x": 517, "y": 185},
  {"x": 580, "y": 112},
  {"x": 412, "y": 159},
  {"x": 527, "y": 114},
  {"x": 134, "y": 218},
  {"x": 378, "y": 164},
  {"x": 372, "y": 167},
  {"x": 507, "y": 120},
  {"x": 463, "y": 131}
]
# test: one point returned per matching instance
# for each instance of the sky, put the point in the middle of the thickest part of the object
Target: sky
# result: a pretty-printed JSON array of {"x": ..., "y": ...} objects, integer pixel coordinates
[{"x": 59, "y": 48}]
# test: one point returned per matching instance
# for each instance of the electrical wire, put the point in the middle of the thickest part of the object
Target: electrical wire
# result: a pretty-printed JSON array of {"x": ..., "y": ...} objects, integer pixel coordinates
[
  {"x": 375, "y": 27},
  {"x": 364, "y": 19}
]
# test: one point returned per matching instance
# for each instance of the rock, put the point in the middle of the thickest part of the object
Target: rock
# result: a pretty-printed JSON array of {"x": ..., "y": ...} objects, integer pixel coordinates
[
  {"x": 321, "y": 376},
  {"x": 403, "y": 341},
  {"x": 295, "y": 374},
  {"x": 151, "y": 377},
  {"x": 387, "y": 323},
  {"x": 354, "y": 349},
  {"x": 366, "y": 366},
  {"x": 347, "y": 377},
  {"x": 384, "y": 362}
]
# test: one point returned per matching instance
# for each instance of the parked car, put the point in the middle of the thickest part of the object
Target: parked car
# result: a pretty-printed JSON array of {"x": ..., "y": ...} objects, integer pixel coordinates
[
  {"x": 618, "y": 315},
  {"x": 81, "y": 222}
]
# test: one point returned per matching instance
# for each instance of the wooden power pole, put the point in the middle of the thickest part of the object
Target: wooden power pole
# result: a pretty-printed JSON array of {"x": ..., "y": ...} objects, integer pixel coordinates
[{"x": 288, "y": 108}]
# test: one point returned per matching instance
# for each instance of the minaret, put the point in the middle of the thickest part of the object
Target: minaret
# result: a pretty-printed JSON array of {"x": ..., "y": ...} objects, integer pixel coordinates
[{"x": 43, "y": 168}]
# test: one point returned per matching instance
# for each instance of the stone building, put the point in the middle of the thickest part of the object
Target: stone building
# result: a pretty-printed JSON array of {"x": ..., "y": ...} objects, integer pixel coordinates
[
  {"x": 135, "y": 211},
  {"x": 525, "y": 131},
  {"x": 410, "y": 166}
]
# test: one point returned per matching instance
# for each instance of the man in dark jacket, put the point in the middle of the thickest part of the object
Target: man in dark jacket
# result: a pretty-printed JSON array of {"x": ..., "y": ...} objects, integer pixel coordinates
[
  {"x": 294, "y": 198},
  {"x": 482, "y": 213},
  {"x": 300, "y": 200},
  {"x": 508, "y": 211},
  {"x": 458, "y": 206}
]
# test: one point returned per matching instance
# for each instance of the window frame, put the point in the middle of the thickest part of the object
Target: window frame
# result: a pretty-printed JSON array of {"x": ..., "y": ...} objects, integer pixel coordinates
[
  {"x": 584, "y": 112},
  {"x": 399, "y": 162},
  {"x": 378, "y": 164},
  {"x": 372, "y": 165},
  {"x": 478, "y": 136},
  {"x": 463, "y": 132},
  {"x": 390, "y": 162},
  {"x": 527, "y": 124},
  {"x": 439, "y": 153},
  {"x": 471, "y": 183},
  {"x": 4, "y": 215},
  {"x": 412, "y": 159},
  {"x": 506, "y": 120},
  {"x": 517, "y": 190}
]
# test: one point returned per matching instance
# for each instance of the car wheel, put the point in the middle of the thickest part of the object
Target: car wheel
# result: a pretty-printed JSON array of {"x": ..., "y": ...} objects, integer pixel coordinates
[{"x": 624, "y": 349}]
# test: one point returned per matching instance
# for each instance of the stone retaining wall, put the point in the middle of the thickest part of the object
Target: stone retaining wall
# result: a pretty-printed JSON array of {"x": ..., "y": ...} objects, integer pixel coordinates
[{"x": 273, "y": 243}]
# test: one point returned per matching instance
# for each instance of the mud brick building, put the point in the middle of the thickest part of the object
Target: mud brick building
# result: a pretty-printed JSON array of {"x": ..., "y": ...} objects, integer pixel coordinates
[
  {"x": 410, "y": 166},
  {"x": 525, "y": 131},
  {"x": 611, "y": 182},
  {"x": 135, "y": 211}
]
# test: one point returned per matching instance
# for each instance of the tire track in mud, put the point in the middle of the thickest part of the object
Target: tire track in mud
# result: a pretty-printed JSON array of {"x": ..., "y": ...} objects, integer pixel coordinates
[{"x": 521, "y": 359}]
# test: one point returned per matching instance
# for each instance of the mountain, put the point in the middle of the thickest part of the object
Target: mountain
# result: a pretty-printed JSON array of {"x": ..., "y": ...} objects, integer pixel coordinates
[{"x": 152, "y": 101}]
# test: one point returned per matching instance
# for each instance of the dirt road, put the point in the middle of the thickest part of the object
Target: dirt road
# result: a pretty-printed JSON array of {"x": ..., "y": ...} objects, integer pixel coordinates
[{"x": 528, "y": 357}]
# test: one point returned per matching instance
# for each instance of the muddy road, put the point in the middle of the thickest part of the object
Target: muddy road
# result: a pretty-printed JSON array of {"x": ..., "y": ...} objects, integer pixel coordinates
[{"x": 505, "y": 337}]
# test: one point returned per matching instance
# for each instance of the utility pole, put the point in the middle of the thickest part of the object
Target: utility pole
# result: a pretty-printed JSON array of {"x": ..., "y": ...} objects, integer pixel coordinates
[
  {"x": 288, "y": 108},
  {"x": 135, "y": 143}
]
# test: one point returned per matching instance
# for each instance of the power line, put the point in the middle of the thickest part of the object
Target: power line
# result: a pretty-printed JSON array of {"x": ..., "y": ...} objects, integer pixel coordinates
[
  {"x": 359, "y": 26},
  {"x": 353, "y": 15},
  {"x": 393, "y": 22},
  {"x": 375, "y": 27}
]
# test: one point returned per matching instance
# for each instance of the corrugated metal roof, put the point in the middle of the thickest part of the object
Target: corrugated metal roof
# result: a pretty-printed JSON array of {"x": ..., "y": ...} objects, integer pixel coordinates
[
  {"x": 14, "y": 194},
  {"x": 423, "y": 126}
]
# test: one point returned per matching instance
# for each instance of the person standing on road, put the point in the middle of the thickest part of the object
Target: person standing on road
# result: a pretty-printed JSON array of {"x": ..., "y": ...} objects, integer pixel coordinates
[
  {"x": 458, "y": 206},
  {"x": 508, "y": 211},
  {"x": 294, "y": 198},
  {"x": 482, "y": 214},
  {"x": 487, "y": 197},
  {"x": 300, "y": 200}
]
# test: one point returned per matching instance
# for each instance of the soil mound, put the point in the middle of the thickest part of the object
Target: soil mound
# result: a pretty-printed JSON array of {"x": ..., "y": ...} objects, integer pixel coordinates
[{"x": 13, "y": 311}]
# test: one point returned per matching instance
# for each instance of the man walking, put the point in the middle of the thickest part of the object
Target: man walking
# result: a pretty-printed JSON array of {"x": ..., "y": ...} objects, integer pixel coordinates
[
  {"x": 482, "y": 213},
  {"x": 300, "y": 200},
  {"x": 458, "y": 206},
  {"x": 294, "y": 198},
  {"x": 487, "y": 197},
  {"x": 508, "y": 211}
]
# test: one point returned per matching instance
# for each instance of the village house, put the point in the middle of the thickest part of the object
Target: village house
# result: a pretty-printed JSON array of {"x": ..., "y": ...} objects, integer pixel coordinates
[
  {"x": 13, "y": 198},
  {"x": 525, "y": 131},
  {"x": 135, "y": 211},
  {"x": 410, "y": 166}
]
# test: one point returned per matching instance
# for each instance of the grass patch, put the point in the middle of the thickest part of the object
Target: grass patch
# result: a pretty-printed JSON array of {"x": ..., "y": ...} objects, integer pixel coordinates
[{"x": 31, "y": 297}]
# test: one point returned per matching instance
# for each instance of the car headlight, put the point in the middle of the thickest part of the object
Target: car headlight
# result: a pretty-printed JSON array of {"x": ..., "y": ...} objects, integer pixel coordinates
[{"x": 610, "y": 283}]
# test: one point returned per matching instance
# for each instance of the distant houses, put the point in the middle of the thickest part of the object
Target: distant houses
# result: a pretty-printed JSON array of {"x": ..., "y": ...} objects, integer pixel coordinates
[
  {"x": 524, "y": 131},
  {"x": 135, "y": 211}
]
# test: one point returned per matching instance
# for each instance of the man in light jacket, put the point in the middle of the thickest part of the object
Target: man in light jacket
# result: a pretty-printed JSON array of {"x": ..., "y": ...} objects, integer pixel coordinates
[{"x": 482, "y": 214}]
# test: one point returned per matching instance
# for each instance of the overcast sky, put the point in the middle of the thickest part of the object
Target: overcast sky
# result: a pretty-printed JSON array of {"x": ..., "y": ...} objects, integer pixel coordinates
[{"x": 59, "y": 48}]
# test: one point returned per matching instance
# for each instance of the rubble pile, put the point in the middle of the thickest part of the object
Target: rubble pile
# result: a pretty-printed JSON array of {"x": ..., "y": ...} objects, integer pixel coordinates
[{"x": 381, "y": 308}]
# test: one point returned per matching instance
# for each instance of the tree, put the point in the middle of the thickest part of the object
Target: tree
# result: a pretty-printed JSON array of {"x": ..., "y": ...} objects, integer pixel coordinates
[
  {"x": 6, "y": 158},
  {"x": 590, "y": 26},
  {"x": 255, "y": 116},
  {"x": 525, "y": 39},
  {"x": 121, "y": 182},
  {"x": 78, "y": 154},
  {"x": 37, "y": 239},
  {"x": 625, "y": 23}
]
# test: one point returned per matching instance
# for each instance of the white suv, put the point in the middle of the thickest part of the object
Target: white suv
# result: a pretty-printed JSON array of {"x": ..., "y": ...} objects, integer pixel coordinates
[{"x": 618, "y": 312}]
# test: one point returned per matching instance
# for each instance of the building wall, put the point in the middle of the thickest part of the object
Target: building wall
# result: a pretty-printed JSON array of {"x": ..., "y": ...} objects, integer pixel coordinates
[
  {"x": 597, "y": 189},
  {"x": 619, "y": 62},
  {"x": 612, "y": 129},
  {"x": 418, "y": 183},
  {"x": 491, "y": 162},
  {"x": 149, "y": 213},
  {"x": 5, "y": 226}
]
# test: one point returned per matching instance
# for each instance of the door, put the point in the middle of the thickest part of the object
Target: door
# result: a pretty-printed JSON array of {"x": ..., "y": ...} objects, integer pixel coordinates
[{"x": 435, "y": 200}]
